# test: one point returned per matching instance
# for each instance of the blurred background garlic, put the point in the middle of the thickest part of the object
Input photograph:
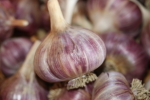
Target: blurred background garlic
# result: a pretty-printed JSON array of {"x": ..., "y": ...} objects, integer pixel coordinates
[
  {"x": 124, "y": 55},
  {"x": 12, "y": 54},
  {"x": 24, "y": 84}
]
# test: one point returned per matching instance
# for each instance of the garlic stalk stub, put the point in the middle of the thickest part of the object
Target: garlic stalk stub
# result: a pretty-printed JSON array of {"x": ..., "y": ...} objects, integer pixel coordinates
[
  {"x": 68, "y": 52},
  {"x": 7, "y": 21},
  {"x": 24, "y": 85},
  {"x": 115, "y": 15},
  {"x": 28, "y": 10},
  {"x": 67, "y": 7}
]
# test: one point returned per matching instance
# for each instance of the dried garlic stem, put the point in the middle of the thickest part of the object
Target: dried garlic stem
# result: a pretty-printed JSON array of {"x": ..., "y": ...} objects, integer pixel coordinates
[
  {"x": 17, "y": 22},
  {"x": 58, "y": 23},
  {"x": 70, "y": 4},
  {"x": 27, "y": 67},
  {"x": 139, "y": 91},
  {"x": 81, "y": 81}
]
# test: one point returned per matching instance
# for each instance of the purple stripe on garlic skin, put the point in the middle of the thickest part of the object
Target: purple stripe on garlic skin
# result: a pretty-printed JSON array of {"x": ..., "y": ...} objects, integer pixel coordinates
[
  {"x": 112, "y": 86},
  {"x": 124, "y": 55},
  {"x": 115, "y": 15},
  {"x": 13, "y": 52},
  {"x": 71, "y": 54}
]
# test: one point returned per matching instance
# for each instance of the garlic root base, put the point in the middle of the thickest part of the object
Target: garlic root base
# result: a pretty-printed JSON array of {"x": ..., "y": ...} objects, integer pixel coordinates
[
  {"x": 81, "y": 81},
  {"x": 139, "y": 90}
]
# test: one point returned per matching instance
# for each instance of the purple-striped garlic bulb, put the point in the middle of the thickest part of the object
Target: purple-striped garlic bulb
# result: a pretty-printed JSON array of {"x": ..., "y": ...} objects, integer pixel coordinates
[
  {"x": 114, "y": 86},
  {"x": 12, "y": 54},
  {"x": 115, "y": 15},
  {"x": 24, "y": 84},
  {"x": 7, "y": 20},
  {"x": 124, "y": 55},
  {"x": 68, "y": 53}
]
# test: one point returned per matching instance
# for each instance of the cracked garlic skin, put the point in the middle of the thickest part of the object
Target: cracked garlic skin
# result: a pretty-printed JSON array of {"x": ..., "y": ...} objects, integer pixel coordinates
[{"x": 70, "y": 54}]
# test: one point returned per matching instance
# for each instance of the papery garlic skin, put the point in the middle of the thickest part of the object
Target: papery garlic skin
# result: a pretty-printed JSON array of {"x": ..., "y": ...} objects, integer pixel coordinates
[
  {"x": 112, "y": 86},
  {"x": 18, "y": 88},
  {"x": 73, "y": 53},
  {"x": 115, "y": 15},
  {"x": 13, "y": 52}
]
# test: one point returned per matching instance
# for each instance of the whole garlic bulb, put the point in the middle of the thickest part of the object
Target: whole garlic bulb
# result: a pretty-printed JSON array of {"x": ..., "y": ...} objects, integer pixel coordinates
[
  {"x": 112, "y": 86},
  {"x": 68, "y": 53}
]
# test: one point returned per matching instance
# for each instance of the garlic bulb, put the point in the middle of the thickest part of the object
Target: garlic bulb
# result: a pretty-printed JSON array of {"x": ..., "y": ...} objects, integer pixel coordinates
[
  {"x": 24, "y": 85},
  {"x": 112, "y": 86},
  {"x": 13, "y": 52},
  {"x": 68, "y": 53},
  {"x": 115, "y": 15},
  {"x": 124, "y": 55}
]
